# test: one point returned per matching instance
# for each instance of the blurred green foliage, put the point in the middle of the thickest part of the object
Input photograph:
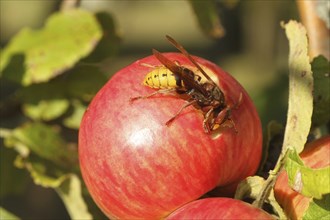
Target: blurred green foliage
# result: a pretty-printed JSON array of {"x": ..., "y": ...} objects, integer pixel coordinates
[
  {"x": 52, "y": 79},
  {"x": 321, "y": 113},
  {"x": 74, "y": 33},
  {"x": 49, "y": 75}
]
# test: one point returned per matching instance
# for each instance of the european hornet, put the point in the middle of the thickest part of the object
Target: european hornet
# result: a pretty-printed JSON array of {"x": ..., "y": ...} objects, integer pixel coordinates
[{"x": 204, "y": 95}]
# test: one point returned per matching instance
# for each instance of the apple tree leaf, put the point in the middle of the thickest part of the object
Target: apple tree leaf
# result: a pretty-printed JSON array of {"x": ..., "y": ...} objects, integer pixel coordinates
[
  {"x": 307, "y": 181},
  {"x": 50, "y": 100},
  {"x": 15, "y": 181},
  {"x": 44, "y": 141},
  {"x": 51, "y": 162},
  {"x": 83, "y": 82},
  {"x": 321, "y": 74},
  {"x": 43, "y": 172},
  {"x": 249, "y": 187},
  {"x": 6, "y": 215},
  {"x": 66, "y": 184},
  {"x": 318, "y": 209},
  {"x": 208, "y": 17},
  {"x": 43, "y": 54},
  {"x": 74, "y": 119},
  {"x": 71, "y": 194},
  {"x": 46, "y": 109},
  {"x": 300, "y": 88},
  {"x": 44, "y": 101},
  {"x": 41, "y": 167}
]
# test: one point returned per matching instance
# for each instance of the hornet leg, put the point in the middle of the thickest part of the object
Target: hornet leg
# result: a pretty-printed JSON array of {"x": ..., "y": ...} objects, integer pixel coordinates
[
  {"x": 206, "y": 121},
  {"x": 178, "y": 113},
  {"x": 224, "y": 119},
  {"x": 161, "y": 91}
]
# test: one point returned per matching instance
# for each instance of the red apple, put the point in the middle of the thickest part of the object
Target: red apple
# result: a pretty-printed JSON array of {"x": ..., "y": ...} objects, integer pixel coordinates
[
  {"x": 315, "y": 155},
  {"x": 137, "y": 167},
  {"x": 219, "y": 208}
]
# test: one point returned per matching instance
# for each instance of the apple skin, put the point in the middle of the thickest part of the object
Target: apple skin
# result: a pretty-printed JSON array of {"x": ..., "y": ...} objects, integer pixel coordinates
[
  {"x": 315, "y": 155},
  {"x": 135, "y": 166},
  {"x": 218, "y": 208}
]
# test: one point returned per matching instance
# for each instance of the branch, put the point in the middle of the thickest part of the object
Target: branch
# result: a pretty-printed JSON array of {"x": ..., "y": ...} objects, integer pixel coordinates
[
  {"x": 317, "y": 30},
  {"x": 69, "y": 4}
]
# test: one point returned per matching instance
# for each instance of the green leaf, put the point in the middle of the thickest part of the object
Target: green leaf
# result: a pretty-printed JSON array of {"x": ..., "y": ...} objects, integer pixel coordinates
[
  {"x": 66, "y": 38},
  {"x": 43, "y": 152},
  {"x": 73, "y": 121},
  {"x": 12, "y": 180},
  {"x": 51, "y": 162},
  {"x": 83, "y": 82},
  {"x": 45, "y": 101},
  {"x": 321, "y": 74},
  {"x": 43, "y": 172},
  {"x": 318, "y": 209},
  {"x": 250, "y": 187},
  {"x": 46, "y": 174},
  {"x": 71, "y": 194},
  {"x": 44, "y": 141},
  {"x": 48, "y": 101},
  {"x": 5, "y": 215},
  {"x": 15, "y": 69},
  {"x": 300, "y": 88},
  {"x": 307, "y": 181},
  {"x": 208, "y": 18},
  {"x": 46, "y": 109}
]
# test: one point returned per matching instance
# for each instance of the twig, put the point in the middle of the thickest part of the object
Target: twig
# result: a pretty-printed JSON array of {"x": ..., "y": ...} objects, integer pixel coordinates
[
  {"x": 318, "y": 33},
  {"x": 270, "y": 182},
  {"x": 69, "y": 4}
]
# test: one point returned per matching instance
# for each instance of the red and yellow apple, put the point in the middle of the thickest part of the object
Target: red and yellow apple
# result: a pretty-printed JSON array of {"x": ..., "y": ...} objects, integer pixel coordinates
[
  {"x": 315, "y": 155},
  {"x": 219, "y": 208},
  {"x": 135, "y": 166}
]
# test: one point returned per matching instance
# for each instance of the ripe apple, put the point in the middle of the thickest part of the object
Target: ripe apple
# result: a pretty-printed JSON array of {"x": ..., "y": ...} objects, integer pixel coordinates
[
  {"x": 315, "y": 155},
  {"x": 137, "y": 167},
  {"x": 219, "y": 208}
]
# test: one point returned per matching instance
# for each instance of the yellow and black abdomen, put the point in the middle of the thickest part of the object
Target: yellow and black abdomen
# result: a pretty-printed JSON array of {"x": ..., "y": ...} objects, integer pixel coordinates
[{"x": 162, "y": 78}]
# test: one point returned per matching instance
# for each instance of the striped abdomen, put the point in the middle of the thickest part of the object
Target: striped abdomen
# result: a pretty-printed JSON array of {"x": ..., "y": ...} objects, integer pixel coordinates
[{"x": 163, "y": 78}]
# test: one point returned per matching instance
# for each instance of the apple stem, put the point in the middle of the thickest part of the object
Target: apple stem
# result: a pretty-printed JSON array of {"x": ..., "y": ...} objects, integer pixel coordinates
[{"x": 270, "y": 181}]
